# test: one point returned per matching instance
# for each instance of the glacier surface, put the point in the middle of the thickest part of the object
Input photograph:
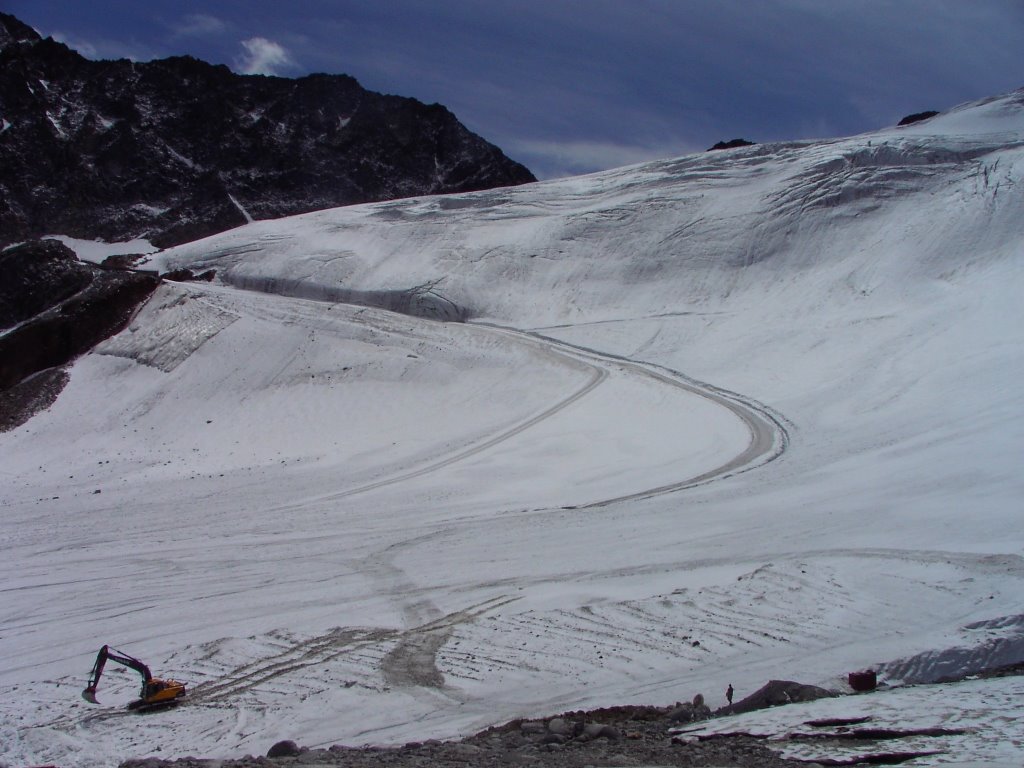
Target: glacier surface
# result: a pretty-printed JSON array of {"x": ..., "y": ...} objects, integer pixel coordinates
[{"x": 716, "y": 419}]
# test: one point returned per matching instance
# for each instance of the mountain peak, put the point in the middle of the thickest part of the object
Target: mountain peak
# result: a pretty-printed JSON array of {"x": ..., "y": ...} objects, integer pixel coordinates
[
  {"x": 13, "y": 30},
  {"x": 176, "y": 149}
]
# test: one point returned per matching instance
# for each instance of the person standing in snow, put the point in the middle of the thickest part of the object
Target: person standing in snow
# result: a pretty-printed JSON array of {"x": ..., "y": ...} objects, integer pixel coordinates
[{"x": 728, "y": 694}]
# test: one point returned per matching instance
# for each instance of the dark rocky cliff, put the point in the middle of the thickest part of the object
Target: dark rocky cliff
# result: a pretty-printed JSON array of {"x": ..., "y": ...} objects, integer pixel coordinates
[
  {"x": 52, "y": 309},
  {"x": 177, "y": 149}
]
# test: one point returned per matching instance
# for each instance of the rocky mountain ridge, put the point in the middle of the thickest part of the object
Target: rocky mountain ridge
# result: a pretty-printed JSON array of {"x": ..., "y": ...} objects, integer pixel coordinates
[{"x": 176, "y": 149}]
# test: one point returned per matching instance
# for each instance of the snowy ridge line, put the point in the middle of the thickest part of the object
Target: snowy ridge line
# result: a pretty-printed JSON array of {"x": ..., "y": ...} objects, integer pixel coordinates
[{"x": 768, "y": 431}]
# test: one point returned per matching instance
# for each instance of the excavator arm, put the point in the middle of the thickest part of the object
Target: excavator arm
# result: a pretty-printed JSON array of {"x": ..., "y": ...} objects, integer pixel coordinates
[
  {"x": 154, "y": 691},
  {"x": 107, "y": 654}
]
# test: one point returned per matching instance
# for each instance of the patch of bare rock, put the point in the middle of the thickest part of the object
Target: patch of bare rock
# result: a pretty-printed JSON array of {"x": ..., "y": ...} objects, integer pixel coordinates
[{"x": 53, "y": 308}]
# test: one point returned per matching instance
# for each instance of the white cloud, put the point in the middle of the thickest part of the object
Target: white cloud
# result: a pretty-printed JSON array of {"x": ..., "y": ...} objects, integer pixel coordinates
[
  {"x": 83, "y": 47},
  {"x": 199, "y": 25},
  {"x": 263, "y": 57}
]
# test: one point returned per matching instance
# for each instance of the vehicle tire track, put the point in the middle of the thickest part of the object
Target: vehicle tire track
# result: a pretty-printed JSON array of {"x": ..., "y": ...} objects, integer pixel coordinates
[
  {"x": 405, "y": 668},
  {"x": 769, "y": 436},
  {"x": 413, "y": 662},
  {"x": 597, "y": 377},
  {"x": 313, "y": 652}
]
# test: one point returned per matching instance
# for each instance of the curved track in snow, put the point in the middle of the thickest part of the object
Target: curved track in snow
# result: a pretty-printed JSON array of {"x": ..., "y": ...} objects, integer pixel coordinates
[
  {"x": 597, "y": 376},
  {"x": 768, "y": 435}
]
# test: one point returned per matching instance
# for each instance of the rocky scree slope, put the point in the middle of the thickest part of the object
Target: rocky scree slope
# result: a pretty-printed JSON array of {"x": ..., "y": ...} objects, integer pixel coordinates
[
  {"x": 177, "y": 149},
  {"x": 628, "y": 735}
]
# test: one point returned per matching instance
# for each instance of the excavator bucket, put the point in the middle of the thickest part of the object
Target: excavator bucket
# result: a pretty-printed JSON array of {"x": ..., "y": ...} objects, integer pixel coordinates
[{"x": 89, "y": 694}]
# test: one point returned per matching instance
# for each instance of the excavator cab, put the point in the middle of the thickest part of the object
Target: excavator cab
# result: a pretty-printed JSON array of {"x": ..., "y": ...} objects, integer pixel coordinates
[
  {"x": 158, "y": 693},
  {"x": 155, "y": 692}
]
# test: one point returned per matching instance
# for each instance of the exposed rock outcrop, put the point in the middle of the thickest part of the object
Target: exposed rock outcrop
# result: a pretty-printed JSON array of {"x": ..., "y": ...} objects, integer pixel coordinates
[
  {"x": 776, "y": 693},
  {"x": 37, "y": 276},
  {"x": 55, "y": 308},
  {"x": 917, "y": 117},
  {"x": 731, "y": 144}
]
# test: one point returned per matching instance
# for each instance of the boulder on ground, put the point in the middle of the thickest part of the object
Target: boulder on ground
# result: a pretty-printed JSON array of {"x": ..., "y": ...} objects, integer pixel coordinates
[
  {"x": 286, "y": 748},
  {"x": 559, "y": 726},
  {"x": 690, "y": 712}
]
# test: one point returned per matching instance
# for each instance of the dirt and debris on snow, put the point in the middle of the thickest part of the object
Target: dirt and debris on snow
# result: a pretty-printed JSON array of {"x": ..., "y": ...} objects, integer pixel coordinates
[{"x": 616, "y": 736}]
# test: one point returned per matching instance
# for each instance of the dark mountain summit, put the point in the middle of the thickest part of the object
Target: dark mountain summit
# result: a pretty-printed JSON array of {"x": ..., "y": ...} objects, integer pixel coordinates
[
  {"x": 917, "y": 117},
  {"x": 177, "y": 149},
  {"x": 732, "y": 144}
]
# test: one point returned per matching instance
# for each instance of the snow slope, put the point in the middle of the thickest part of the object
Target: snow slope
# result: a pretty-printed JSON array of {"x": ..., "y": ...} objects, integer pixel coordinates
[
  {"x": 971, "y": 723},
  {"x": 735, "y": 416}
]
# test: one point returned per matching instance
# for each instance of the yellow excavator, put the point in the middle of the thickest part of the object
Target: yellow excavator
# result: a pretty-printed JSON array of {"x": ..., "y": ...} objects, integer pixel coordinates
[{"x": 155, "y": 692}]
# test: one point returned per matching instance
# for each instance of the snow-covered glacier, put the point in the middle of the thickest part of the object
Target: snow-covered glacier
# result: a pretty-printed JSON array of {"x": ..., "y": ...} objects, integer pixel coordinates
[{"x": 716, "y": 419}]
